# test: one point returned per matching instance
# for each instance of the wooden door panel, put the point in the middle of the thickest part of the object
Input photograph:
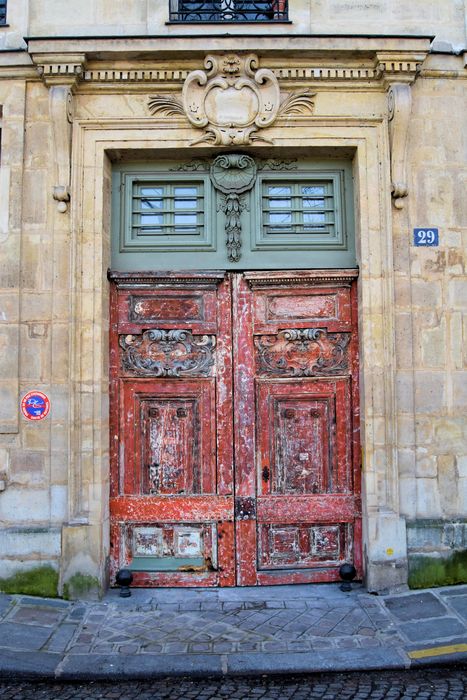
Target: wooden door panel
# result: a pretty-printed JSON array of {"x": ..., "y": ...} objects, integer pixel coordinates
[
  {"x": 254, "y": 370},
  {"x": 171, "y": 397},
  {"x": 170, "y": 437},
  {"x": 296, "y": 357},
  {"x": 272, "y": 307},
  {"x": 285, "y": 509},
  {"x": 303, "y": 545}
]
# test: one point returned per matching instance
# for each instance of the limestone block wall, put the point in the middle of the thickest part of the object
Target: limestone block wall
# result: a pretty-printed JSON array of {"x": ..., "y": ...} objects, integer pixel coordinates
[
  {"x": 12, "y": 34},
  {"x": 431, "y": 325},
  {"x": 55, "y": 339},
  {"x": 443, "y": 20},
  {"x": 34, "y": 326}
]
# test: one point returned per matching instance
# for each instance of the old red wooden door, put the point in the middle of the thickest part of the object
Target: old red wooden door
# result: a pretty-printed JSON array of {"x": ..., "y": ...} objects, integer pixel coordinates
[
  {"x": 171, "y": 493},
  {"x": 296, "y": 434},
  {"x": 234, "y": 442}
]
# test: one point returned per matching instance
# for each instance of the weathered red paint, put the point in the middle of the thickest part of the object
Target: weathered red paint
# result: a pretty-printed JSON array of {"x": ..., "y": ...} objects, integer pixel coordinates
[
  {"x": 171, "y": 444},
  {"x": 294, "y": 377},
  {"x": 278, "y": 399}
]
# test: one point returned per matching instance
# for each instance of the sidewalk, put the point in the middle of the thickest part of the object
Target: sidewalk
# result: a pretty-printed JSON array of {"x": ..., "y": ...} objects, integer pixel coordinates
[{"x": 231, "y": 631}]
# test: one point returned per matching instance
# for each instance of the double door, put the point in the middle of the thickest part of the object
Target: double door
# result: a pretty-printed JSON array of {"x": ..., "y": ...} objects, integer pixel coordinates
[{"x": 234, "y": 427}]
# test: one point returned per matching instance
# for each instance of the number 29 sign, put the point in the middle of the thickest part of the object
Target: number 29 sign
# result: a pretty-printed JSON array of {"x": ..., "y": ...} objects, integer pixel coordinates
[{"x": 426, "y": 237}]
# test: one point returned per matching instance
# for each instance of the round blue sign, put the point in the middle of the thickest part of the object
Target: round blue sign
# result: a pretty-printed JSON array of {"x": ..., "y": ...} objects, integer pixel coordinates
[{"x": 35, "y": 405}]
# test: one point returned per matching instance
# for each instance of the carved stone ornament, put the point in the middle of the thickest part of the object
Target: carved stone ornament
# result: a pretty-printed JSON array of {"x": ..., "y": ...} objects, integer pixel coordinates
[
  {"x": 303, "y": 352},
  {"x": 399, "y": 108},
  {"x": 61, "y": 112},
  {"x": 168, "y": 353},
  {"x": 233, "y": 174},
  {"x": 61, "y": 73},
  {"x": 232, "y": 99}
]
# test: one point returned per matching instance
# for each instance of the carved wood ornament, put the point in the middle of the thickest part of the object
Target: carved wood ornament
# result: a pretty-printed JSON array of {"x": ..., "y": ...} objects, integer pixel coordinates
[
  {"x": 168, "y": 353},
  {"x": 303, "y": 352},
  {"x": 231, "y": 99},
  {"x": 233, "y": 174}
]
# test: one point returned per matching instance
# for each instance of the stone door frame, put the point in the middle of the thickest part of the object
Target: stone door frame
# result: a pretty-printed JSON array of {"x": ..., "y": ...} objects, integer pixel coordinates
[{"x": 86, "y": 537}]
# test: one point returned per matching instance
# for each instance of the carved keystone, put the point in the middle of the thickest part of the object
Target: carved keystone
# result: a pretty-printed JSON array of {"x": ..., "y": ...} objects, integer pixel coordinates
[{"x": 231, "y": 99}]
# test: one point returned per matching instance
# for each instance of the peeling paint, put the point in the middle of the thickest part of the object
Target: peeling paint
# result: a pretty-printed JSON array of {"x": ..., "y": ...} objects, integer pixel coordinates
[{"x": 296, "y": 513}]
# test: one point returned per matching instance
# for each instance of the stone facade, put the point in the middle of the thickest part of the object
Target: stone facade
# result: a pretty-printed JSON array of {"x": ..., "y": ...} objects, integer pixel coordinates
[{"x": 70, "y": 106}]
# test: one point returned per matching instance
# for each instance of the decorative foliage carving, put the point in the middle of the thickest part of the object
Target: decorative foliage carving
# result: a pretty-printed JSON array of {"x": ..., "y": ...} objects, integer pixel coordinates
[
  {"x": 231, "y": 99},
  {"x": 303, "y": 352},
  {"x": 399, "y": 108},
  {"x": 276, "y": 164},
  {"x": 166, "y": 105},
  {"x": 195, "y": 165},
  {"x": 168, "y": 353},
  {"x": 299, "y": 102},
  {"x": 233, "y": 174}
]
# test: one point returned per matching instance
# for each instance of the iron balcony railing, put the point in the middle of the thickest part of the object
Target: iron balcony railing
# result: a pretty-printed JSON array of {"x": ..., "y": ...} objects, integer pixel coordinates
[
  {"x": 2, "y": 11},
  {"x": 229, "y": 11}
]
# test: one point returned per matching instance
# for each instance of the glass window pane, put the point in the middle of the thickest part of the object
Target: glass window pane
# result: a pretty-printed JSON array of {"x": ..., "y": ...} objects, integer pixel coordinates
[
  {"x": 185, "y": 191},
  {"x": 151, "y": 191},
  {"x": 314, "y": 218},
  {"x": 151, "y": 204},
  {"x": 277, "y": 191},
  {"x": 313, "y": 203},
  {"x": 185, "y": 219},
  {"x": 185, "y": 203},
  {"x": 313, "y": 190},
  {"x": 151, "y": 219},
  {"x": 280, "y": 218}
]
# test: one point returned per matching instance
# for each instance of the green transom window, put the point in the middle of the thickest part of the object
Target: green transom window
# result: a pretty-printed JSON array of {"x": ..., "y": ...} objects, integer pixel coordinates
[
  {"x": 298, "y": 208},
  {"x": 161, "y": 209},
  {"x": 233, "y": 213}
]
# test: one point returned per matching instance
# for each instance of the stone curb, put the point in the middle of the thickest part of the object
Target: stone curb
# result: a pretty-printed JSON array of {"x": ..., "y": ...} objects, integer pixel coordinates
[{"x": 101, "y": 667}]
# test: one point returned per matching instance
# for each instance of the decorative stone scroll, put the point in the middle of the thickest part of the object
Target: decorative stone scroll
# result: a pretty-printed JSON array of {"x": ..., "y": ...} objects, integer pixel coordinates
[
  {"x": 233, "y": 174},
  {"x": 168, "y": 353},
  {"x": 399, "y": 108},
  {"x": 61, "y": 73},
  {"x": 231, "y": 99},
  {"x": 303, "y": 352},
  {"x": 61, "y": 112}
]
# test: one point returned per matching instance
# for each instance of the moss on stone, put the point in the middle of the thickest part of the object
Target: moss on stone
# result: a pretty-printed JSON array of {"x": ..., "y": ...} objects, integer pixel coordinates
[
  {"x": 41, "y": 581},
  {"x": 428, "y": 571},
  {"x": 81, "y": 586}
]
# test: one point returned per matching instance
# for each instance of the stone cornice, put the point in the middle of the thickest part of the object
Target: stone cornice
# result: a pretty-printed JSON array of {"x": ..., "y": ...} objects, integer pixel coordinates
[
  {"x": 397, "y": 66},
  {"x": 168, "y": 59},
  {"x": 60, "y": 69},
  {"x": 383, "y": 71},
  {"x": 197, "y": 45}
]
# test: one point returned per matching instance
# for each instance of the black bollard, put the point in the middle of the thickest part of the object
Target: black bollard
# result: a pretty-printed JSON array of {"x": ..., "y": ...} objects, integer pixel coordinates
[
  {"x": 347, "y": 572},
  {"x": 124, "y": 579}
]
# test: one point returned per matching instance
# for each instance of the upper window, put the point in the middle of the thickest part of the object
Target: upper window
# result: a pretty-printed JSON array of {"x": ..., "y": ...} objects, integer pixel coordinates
[
  {"x": 228, "y": 11},
  {"x": 172, "y": 215},
  {"x": 2, "y": 11}
]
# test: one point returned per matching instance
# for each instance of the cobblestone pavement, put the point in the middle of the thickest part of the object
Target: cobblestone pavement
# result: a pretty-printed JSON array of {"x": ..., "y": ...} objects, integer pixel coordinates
[
  {"x": 230, "y": 631},
  {"x": 441, "y": 684}
]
